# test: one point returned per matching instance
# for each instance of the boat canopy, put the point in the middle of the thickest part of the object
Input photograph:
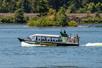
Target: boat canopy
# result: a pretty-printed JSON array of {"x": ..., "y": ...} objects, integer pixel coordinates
[{"x": 45, "y": 35}]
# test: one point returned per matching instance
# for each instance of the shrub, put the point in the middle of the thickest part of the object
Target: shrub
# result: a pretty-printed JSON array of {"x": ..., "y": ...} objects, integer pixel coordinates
[
  {"x": 33, "y": 22},
  {"x": 7, "y": 19},
  {"x": 43, "y": 21},
  {"x": 53, "y": 18},
  {"x": 72, "y": 24}
]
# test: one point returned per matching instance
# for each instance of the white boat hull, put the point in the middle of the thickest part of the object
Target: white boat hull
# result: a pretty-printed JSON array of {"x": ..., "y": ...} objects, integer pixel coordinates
[{"x": 24, "y": 44}]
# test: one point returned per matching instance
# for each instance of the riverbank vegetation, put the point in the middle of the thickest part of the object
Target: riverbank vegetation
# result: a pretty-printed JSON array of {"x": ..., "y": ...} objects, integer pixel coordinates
[{"x": 51, "y": 12}]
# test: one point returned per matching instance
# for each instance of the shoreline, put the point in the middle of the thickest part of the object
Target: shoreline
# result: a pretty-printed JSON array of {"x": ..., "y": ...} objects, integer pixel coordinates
[
  {"x": 80, "y": 25},
  {"x": 37, "y": 14}
]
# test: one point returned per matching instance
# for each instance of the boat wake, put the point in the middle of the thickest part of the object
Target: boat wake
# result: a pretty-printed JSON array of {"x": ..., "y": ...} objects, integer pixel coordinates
[
  {"x": 93, "y": 44},
  {"x": 24, "y": 44}
]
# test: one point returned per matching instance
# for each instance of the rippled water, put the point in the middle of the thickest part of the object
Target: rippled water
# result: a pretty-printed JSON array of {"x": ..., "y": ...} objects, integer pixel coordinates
[{"x": 12, "y": 55}]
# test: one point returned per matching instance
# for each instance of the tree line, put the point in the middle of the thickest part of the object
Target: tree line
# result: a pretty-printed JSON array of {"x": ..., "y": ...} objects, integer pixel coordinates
[
  {"x": 51, "y": 12},
  {"x": 42, "y": 6}
]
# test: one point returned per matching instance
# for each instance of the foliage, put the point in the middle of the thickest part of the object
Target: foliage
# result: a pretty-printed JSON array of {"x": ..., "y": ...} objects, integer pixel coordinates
[
  {"x": 92, "y": 7},
  {"x": 61, "y": 17},
  {"x": 33, "y": 22},
  {"x": 52, "y": 19},
  {"x": 19, "y": 16},
  {"x": 7, "y": 19},
  {"x": 52, "y": 12},
  {"x": 91, "y": 20},
  {"x": 57, "y": 4},
  {"x": 43, "y": 21},
  {"x": 72, "y": 23},
  {"x": 40, "y": 6}
]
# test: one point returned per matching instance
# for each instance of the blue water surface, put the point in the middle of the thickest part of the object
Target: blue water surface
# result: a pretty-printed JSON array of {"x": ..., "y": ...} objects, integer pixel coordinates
[{"x": 12, "y": 55}]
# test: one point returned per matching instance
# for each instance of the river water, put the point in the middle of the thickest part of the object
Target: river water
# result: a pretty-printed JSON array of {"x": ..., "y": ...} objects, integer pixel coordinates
[{"x": 12, "y": 55}]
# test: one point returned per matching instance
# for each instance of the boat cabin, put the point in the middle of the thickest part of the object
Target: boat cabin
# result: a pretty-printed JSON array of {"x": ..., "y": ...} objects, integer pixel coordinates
[{"x": 45, "y": 38}]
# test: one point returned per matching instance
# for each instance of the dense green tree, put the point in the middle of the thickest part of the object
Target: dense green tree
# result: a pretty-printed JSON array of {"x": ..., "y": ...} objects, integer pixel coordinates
[
  {"x": 41, "y": 6},
  {"x": 92, "y": 7},
  {"x": 74, "y": 5},
  {"x": 19, "y": 16},
  {"x": 26, "y": 6},
  {"x": 56, "y": 4},
  {"x": 61, "y": 17},
  {"x": 7, "y": 5}
]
